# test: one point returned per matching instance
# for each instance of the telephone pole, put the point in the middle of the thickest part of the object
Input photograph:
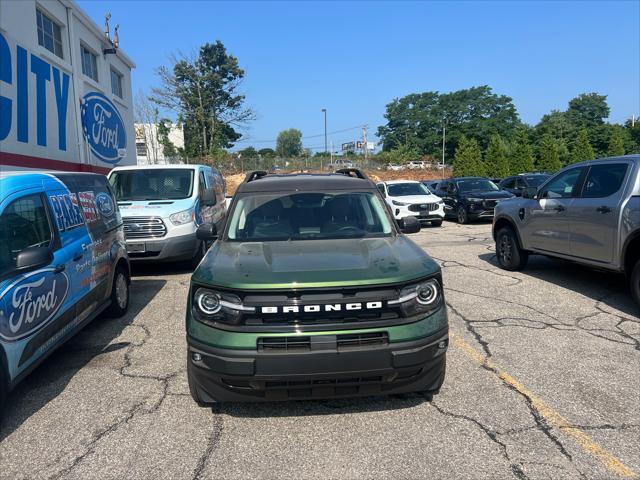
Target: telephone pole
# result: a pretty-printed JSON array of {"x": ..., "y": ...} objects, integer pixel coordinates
[
  {"x": 366, "y": 149},
  {"x": 324, "y": 110},
  {"x": 444, "y": 133}
]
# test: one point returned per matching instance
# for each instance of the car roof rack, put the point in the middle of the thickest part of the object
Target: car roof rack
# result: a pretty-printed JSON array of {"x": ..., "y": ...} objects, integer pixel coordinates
[
  {"x": 352, "y": 172},
  {"x": 255, "y": 175}
]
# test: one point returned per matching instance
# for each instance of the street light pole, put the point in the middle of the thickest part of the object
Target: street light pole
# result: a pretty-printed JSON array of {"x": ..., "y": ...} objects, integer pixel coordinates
[
  {"x": 324, "y": 110},
  {"x": 444, "y": 133}
]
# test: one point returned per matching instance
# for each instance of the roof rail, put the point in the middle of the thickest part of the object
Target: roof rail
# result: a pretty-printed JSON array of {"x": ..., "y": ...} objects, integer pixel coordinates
[
  {"x": 255, "y": 175},
  {"x": 352, "y": 172}
]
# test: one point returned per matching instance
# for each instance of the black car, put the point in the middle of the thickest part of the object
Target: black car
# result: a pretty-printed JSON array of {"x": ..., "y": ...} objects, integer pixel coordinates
[
  {"x": 470, "y": 198},
  {"x": 518, "y": 183},
  {"x": 432, "y": 185}
]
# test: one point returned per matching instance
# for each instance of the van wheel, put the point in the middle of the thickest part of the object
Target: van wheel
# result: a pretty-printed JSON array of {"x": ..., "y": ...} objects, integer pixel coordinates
[
  {"x": 510, "y": 256},
  {"x": 635, "y": 283},
  {"x": 197, "y": 258},
  {"x": 463, "y": 217},
  {"x": 119, "y": 293},
  {"x": 436, "y": 223}
]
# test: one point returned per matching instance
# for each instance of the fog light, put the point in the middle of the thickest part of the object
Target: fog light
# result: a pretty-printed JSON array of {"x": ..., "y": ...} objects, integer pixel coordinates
[
  {"x": 442, "y": 345},
  {"x": 196, "y": 357}
]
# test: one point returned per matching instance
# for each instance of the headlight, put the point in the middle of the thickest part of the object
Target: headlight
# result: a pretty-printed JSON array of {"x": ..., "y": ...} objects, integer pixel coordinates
[
  {"x": 183, "y": 217},
  {"x": 400, "y": 204},
  {"x": 474, "y": 200},
  {"x": 210, "y": 306},
  {"x": 419, "y": 299}
]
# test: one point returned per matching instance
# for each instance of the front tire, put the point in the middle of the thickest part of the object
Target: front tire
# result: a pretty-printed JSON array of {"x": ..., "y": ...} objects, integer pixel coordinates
[
  {"x": 635, "y": 283},
  {"x": 463, "y": 216},
  {"x": 119, "y": 293},
  {"x": 510, "y": 256},
  {"x": 436, "y": 223},
  {"x": 199, "y": 255}
]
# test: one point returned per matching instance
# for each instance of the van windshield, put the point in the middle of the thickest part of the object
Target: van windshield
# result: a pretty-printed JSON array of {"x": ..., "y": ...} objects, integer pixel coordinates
[
  {"x": 152, "y": 184},
  {"x": 308, "y": 216}
]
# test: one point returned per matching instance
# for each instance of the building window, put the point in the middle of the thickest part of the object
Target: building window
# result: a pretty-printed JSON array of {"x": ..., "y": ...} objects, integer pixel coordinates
[
  {"x": 89, "y": 63},
  {"x": 141, "y": 149},
  {"x": 116, "y": 83},
  {"x": 49, "y": 34}
]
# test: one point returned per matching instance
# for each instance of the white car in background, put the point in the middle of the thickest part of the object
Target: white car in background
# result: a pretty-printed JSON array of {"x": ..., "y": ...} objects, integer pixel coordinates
[{"x": 409, "y": 198}]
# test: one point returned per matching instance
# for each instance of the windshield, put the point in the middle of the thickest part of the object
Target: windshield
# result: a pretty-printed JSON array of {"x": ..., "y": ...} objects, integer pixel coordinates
[
  {"x": 404, "y": 189},
  {"x": 536, "y": 180},
  {"x": 152, "y": 184},
  {"x": 477, "y": 185},
  {"x": 308, "y": 216}
]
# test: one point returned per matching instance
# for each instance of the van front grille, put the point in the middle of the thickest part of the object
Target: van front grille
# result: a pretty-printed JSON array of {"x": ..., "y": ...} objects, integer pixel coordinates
[{"x": 144, "y": 227}]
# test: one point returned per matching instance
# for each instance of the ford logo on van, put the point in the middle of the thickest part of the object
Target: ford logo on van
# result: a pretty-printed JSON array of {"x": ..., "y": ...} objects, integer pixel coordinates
[
  {"x": 30, "y": 302},
  {"x": 105, "y": 204},
  {"x": 103, "y": 128}
]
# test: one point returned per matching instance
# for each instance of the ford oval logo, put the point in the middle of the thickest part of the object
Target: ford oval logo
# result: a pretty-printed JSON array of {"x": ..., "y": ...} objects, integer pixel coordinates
[
  {"x": 30, "y": 302},
  {"x": 105, "y": 204},
  {"x": 103, "y": 128}
]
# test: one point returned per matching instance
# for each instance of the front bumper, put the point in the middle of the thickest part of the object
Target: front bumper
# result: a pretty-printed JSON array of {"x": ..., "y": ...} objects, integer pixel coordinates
[
  {"x": 323, "y": 371},
  {"x": 426, "y": 216},
  {"x": 169, "y": 248}
]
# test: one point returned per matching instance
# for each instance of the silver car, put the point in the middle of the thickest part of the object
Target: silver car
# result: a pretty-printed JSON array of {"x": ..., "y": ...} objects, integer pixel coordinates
[{"x": 589, "y": 212}]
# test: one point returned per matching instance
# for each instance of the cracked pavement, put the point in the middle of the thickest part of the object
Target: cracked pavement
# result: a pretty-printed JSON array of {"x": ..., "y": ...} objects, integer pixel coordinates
[{"x": 542, "y": 378}]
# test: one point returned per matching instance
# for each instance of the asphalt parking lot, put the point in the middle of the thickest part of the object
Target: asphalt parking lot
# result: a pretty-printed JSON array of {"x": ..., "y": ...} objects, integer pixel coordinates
[{"x": 542, "y": 382}]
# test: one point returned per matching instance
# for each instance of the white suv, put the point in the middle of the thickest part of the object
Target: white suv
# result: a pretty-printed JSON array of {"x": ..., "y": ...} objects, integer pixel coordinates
[{"x": 409, "y": 198}]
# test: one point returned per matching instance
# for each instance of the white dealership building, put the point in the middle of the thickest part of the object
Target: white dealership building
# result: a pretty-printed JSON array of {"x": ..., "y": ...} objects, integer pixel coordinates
[{"x": 65, "y": 90}]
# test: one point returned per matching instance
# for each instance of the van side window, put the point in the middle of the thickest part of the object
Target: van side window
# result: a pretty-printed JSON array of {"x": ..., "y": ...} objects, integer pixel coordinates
[
  {"x": 25, "y": 223},
  {"x": 203, "y": 184},
  {"x": 604, "y": 180}
]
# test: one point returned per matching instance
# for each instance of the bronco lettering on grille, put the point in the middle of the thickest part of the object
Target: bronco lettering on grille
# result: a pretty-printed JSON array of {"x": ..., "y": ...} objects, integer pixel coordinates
[{"x": 330, "y": 307}]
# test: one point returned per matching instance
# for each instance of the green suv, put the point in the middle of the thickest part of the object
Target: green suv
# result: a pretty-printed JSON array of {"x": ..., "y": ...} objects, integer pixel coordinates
[{"x": 312, "y": 291}]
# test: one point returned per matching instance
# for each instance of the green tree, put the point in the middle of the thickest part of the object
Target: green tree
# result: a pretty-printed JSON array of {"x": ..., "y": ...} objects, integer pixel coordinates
[
  {"x": 496, "y": 158},
  {"x": 548, "y": 154},
  {"x": 289, "y": 143},
  {"x": 203, "y": 92},
  {"x": 417, "y": 120},
  {"x": 249, "y": 153},
  {"x": 467, "y": 161},
  {"x": 521, "y": 158},
  {"x": 582, "y": 149},
  {"x": 169, "y": 150},
  {"x": 267, "y": 152},
  {"x": 616, "y": 143},
  {"x": 588, "y": 110}
]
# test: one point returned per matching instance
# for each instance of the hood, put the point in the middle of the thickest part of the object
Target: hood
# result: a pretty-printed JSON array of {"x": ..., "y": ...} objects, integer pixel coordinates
[
  {"x": 313, "y": 263},
  {"x": 156, "y": 208},
  {"x": 488, "y": 195},
  {"x": 417, "y": 199}
]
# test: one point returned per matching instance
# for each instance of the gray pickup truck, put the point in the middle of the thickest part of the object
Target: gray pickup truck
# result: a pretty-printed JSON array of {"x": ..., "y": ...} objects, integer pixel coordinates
[{"x": 589, "y": 212}]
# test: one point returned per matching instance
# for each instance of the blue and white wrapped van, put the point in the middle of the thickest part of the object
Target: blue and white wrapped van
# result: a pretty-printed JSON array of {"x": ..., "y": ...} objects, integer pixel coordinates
[{"x": 63, "y": 261}]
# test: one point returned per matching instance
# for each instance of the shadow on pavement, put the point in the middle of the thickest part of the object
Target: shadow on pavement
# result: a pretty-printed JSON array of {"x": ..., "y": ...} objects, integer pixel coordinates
[
  {"x": 609, "y": 288},
  {"x": 158, "y": 269},
  {"x": 303, "y": 408},
  {"x": 49, "y": 379}
]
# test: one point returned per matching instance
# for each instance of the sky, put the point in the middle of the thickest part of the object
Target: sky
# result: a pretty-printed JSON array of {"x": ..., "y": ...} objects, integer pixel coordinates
[{"x": 353, "y": 58}]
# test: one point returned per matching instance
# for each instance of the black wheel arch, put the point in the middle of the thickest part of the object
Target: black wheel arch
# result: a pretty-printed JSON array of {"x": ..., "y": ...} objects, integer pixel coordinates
[
  {"x": 631, "y": 251},
  {"x": 502, "y": 222}
]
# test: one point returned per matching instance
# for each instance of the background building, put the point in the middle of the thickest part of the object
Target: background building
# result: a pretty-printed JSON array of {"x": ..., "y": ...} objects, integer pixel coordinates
[
  {"x": 150, "y": 148},
  {"x": 65, "y": 90}
]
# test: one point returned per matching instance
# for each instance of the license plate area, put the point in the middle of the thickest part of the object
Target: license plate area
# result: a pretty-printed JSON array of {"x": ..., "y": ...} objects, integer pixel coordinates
[{"x": 136, "y": 248}]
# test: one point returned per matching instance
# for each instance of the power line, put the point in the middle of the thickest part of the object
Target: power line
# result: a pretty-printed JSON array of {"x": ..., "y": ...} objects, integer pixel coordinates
[{"x": 304, "y": 137}]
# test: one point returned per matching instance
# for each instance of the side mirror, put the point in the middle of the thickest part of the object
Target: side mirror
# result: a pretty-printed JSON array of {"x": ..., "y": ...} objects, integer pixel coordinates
[
  {"x": 33, "y": 258},
  {"x": 409, "y": 225},
  {"x": 207, "y": 232},
  {"x": 529, "y": 192}
]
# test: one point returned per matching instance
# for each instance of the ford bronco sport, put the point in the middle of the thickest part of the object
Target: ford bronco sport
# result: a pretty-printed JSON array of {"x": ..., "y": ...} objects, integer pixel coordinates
[{"x": 312, "y": 291}]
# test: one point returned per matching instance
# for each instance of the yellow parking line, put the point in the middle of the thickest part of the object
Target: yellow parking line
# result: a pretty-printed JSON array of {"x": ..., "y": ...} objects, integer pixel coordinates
[{"x": 552, "y": 416}]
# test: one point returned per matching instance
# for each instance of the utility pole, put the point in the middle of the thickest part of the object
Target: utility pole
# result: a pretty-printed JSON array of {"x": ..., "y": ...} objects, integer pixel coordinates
[
  {"x": 366, "y": 156},
  {"x": 332, "y": 154},
  {"x": 324, "y": 110},
  {"x": 444, "y": 133}
]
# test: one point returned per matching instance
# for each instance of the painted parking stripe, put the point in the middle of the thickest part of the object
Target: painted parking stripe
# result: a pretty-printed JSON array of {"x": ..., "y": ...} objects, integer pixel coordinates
[{"x": 554, "y": 418}]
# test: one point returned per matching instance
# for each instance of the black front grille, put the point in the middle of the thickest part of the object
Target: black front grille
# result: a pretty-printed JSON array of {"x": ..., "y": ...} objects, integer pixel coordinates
[
  {"x": 343, "y": 342},
  {"x": 419, "y": 207}
]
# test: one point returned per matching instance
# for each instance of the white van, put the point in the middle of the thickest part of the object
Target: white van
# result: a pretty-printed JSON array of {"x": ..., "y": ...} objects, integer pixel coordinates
[{"x": 163, "y": 205}]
